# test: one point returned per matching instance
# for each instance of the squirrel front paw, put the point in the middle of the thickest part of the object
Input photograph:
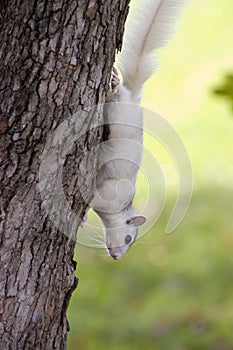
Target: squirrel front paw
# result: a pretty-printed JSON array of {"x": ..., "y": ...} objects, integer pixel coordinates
[
  {"x": 114, "y": 81},
  {"x": 84, "y": 220}
]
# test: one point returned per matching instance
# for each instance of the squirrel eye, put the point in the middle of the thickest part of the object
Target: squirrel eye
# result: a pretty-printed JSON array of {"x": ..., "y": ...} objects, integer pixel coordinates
[{"x": 128, "y": 239}]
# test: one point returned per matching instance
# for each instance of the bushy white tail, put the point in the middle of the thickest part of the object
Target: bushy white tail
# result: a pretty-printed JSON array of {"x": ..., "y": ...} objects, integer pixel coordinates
[{"x": 148, "y": 28}]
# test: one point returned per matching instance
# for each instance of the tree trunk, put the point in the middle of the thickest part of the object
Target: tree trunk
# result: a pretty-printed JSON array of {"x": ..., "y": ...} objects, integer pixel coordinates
[{"x": 55, "y": 61}]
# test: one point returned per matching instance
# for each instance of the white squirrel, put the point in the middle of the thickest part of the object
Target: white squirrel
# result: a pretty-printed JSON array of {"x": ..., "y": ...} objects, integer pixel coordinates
[{"x": 147, "y": 29}]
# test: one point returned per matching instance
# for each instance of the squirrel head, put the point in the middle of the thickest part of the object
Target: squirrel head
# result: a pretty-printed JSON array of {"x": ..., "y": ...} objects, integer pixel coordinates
[{"x": 120, "y": 239}]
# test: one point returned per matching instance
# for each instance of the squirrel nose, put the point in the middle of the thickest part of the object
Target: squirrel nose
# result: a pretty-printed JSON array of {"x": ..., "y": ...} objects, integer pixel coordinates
[
  {"x": 113, "y": 254},
  {"x": 115, "y": 257}
]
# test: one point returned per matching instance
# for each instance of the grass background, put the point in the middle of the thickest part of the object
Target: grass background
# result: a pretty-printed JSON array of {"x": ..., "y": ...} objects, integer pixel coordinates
[{"x": 174, "y": 292}]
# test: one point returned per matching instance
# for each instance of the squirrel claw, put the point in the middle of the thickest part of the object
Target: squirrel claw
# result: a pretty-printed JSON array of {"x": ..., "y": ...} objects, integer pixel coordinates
[
  {"x": 84, "y": 220},
  {"x": 114, "y": 81}
]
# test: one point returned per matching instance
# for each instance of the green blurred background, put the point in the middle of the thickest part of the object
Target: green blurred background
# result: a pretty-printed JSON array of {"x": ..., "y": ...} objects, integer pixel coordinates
[{"x": 175, "y": 292}]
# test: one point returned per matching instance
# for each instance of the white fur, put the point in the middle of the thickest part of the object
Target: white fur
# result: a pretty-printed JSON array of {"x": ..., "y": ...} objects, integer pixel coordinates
[
  {"x": 150, "y": 24},
  {"x": 120, "y": 157}
]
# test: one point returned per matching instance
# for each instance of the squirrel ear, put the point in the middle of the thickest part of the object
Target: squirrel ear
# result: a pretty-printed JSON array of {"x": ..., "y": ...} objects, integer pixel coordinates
[{"x": 136, "y": 220}]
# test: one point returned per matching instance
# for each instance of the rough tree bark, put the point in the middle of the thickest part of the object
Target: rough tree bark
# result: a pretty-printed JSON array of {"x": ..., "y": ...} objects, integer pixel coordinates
[{"x": 55, "y": 61}]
